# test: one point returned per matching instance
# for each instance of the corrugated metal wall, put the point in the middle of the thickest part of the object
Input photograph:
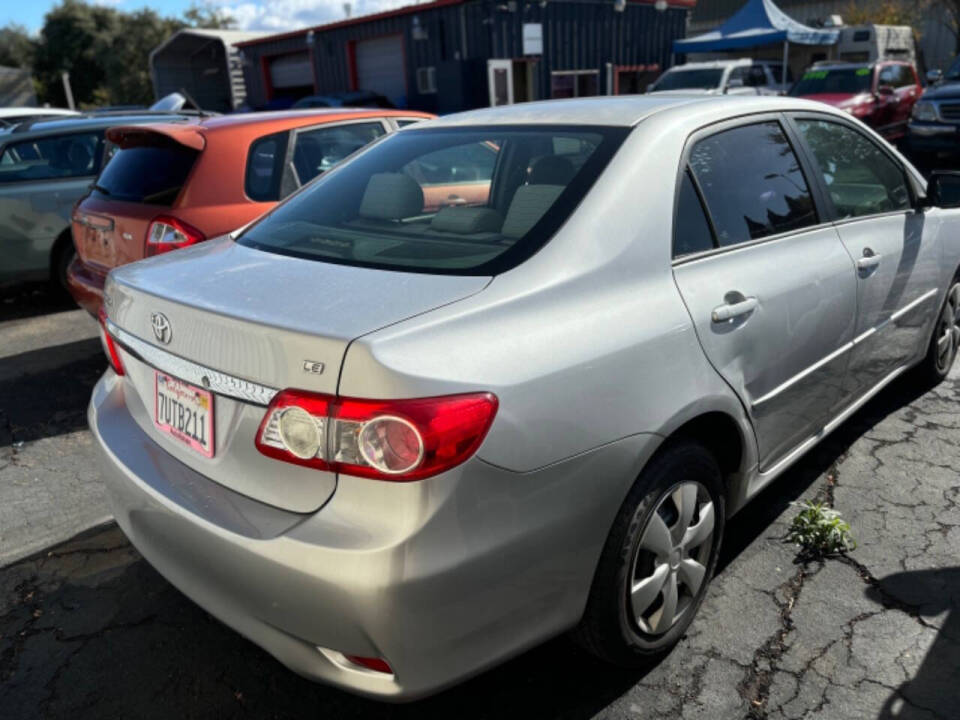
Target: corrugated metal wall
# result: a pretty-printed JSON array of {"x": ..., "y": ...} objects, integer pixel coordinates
[{"x": 577, "y": 35}]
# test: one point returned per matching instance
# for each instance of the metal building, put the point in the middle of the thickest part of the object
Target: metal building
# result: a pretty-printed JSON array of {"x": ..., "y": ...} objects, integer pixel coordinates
[
  {"x": 205, "y": 63},
  {"x": 451, "y": 55}
]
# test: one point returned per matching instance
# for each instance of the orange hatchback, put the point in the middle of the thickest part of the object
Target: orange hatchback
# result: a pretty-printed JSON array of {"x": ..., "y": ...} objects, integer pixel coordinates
[{"x": 168, "y": 185}]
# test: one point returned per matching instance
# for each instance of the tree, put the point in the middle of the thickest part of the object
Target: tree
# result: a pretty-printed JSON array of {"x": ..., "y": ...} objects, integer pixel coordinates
[
  {"x": 105, "y": 50},
  {"x": 16, "y": 47},
  {"x": 126, "y": 63},
  {"x": 207, "y": 16}
]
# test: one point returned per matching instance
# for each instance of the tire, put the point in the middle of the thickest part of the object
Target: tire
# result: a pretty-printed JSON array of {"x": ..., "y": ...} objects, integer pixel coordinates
[
  {"x": 62, "y": 257},
  {"x": 611, "y": 628},
  {"x": 945, "y": 340}
]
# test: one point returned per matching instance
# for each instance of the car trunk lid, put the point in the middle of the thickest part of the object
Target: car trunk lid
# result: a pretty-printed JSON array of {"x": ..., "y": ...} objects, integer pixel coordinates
[{"x": 255, "y": 322}]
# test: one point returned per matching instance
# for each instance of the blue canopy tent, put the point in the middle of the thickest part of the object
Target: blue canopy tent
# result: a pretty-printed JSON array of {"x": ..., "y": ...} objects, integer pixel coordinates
[{"x": 759, "y": 22}]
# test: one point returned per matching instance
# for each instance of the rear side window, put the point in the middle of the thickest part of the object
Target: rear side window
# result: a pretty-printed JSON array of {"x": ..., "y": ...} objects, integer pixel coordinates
[
  {"x": 265, "y": 167},
  {"x": 149, "y": 174},
  {"x": 316, "y": 151},
  {"x": 692, "y": 232},
  {"x": 752, "y": 183},
  {"x": 52, "y": 158},
  {"x": 860, "y": 177}
]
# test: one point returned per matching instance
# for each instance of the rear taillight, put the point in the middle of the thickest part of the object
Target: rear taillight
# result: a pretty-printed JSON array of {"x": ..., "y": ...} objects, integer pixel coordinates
[
  {"x": 384, "y": 439},
  {"x": 109, "y": 345},
  {"x": 167, "y": 233}
]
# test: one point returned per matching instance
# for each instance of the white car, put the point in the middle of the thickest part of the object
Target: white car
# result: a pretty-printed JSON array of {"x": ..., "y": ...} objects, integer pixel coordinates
[
  {"x": 725, "y": 77},
  {"x": 11, "y": 115}
]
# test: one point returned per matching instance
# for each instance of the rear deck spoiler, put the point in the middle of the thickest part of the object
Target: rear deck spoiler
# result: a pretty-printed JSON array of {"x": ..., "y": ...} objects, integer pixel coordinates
[{"x": 134, "y": 135}]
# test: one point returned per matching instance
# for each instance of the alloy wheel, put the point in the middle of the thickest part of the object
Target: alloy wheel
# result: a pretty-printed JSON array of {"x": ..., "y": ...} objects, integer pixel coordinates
[
  {"x": 671, "y": 559},
  {"x": 948, "y": 330}
]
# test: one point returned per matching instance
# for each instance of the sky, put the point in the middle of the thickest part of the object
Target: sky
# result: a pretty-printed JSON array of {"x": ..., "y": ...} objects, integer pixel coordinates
[{"x": 270, "y": 15}]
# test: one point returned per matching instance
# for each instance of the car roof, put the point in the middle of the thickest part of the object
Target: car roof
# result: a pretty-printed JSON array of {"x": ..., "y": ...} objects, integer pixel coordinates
[
  {"x": 291, "y": 118},
  {"x": 621, "y": 110},
  {"x": 712, "y": 64},
  {"x": 57, "y": 125}
]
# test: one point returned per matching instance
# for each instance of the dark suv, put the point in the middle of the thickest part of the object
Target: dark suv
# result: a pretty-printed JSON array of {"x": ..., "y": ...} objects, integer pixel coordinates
[{"x": 935, "y": 124}]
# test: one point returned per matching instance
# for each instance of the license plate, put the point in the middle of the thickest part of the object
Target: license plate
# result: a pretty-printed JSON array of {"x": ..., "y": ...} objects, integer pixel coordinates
[{"x": 185, "y": 412}]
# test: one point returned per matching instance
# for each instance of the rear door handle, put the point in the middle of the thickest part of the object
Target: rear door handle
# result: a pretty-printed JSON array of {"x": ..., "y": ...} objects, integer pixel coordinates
[
  {"x": 869, "y": 260},
  {"x": 729, "y": 311}
]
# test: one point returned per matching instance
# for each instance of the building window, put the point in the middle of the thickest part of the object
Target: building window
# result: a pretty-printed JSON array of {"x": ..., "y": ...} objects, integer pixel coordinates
[
  {"x": 426, "y": 80},
  {"x": 574, "y": 83}
]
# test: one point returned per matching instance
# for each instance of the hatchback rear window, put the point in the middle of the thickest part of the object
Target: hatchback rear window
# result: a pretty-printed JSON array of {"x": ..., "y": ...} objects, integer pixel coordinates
[
  {"x": 149, "y": 174},
  {"x": 472, "y": 200}
]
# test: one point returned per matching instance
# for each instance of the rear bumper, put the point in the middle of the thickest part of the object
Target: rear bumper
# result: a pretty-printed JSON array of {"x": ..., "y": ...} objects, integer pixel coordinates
[
  {"x": 85, "y": 285},
  {"x": 442, "y": 577}
]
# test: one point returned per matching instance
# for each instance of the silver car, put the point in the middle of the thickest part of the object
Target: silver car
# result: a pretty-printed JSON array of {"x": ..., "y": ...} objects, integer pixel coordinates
[{"x": 395, "y": 440}]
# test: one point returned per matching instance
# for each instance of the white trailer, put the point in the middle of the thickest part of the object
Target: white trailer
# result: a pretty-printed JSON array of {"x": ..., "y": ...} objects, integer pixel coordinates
[{"x": 867, "y": 43}]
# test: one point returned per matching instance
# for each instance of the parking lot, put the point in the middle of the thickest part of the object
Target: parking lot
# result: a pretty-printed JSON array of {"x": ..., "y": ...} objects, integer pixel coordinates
[{"x": 88, "y": 629}]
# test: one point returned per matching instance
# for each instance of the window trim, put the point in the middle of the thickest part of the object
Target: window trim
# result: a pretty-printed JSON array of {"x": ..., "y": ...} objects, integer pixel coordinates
[
  {"x": 831, "y": 210},
  {"x": 722, "y": 126},
  {"x": 102, "y": 139}
]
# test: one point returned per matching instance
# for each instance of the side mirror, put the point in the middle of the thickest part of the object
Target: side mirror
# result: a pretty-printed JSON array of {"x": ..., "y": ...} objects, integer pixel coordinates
[
  {"x": 885, "y": 91},
  {"x": 943, "y": 189},
  {"x": 733, "y": 83},
  {"x": 934, "y": 76}
]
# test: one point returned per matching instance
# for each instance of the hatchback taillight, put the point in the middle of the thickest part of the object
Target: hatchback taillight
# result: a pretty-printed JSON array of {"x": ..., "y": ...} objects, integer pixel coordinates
[
  {"x": 384, "y": 439},
  {"x": 109, "y": 344},
  {"x": 168, "y": 233}
]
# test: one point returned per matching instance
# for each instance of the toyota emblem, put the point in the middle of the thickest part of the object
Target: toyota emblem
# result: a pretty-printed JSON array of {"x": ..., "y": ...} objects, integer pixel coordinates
[{"x": 161, "y": 327}]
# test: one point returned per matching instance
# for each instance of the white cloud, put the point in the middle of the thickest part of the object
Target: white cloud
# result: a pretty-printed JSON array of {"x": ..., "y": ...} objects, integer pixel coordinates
[{"x": 282, "y": 15}]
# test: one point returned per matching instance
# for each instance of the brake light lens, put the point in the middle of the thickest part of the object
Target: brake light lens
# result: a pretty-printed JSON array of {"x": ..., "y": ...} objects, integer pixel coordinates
[
  {"x": 398, "y": 440},
  {"x": 109, "y": 345},
  {"x": 168, "y": 233},
  {"x": 376, "y": 664}
]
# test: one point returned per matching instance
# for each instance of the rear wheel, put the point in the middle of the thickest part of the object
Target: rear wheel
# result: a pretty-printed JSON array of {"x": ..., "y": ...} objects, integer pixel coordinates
[
  {"x": 658, "y": 560},
  {"x": 62, "y": 256},
  {"x": 945, "y": 342}
]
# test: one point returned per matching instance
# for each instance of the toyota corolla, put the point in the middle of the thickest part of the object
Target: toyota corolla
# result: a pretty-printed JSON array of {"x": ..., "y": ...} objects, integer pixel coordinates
[{"x": 395, "y": 442}]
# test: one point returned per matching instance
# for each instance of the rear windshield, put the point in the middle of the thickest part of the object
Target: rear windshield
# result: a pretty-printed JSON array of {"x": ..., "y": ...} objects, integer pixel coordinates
[
  {"x": 469, "y": 201},
  {"x": 844, "y": 81},
  {"x": 149, "y": 174},
  {"x": 689, "y": 79}
]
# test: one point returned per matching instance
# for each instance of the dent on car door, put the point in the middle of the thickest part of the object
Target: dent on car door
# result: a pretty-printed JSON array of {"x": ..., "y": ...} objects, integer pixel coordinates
[
  {"x": 771, "y": 290},
  {"x": 894, "y": 247}
]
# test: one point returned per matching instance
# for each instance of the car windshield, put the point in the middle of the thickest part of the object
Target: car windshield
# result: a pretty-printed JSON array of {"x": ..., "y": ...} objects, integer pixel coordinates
[
  {"x": 687, "y": 79},
  {"x": 842, "y": 81},
  {"x": 954, "y": 72},
  {"x": 468, "y": 201}
]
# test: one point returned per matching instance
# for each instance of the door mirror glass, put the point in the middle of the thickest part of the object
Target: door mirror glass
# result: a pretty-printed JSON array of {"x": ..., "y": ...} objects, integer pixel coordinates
[
  {"x": 943, "y": 189},
  {"x": 934, "y": 76}
]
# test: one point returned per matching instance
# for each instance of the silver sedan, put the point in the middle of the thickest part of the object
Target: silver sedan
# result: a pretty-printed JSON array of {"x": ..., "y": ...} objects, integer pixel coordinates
[{"x": 508, "y": 373}]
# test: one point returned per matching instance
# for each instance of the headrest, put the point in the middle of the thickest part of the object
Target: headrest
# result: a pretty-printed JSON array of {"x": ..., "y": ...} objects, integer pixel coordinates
[
  {"x": 550, "y": 170},
  {"x": 530, "y": 203},
  {"x": 466, "y": 220},
  {"x": 391, "y": 196},
  {"x": 79, "y": 157}
]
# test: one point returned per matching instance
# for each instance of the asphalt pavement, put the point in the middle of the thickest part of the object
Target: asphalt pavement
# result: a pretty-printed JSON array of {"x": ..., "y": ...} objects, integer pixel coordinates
[{"x": 89, "y": 630}]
